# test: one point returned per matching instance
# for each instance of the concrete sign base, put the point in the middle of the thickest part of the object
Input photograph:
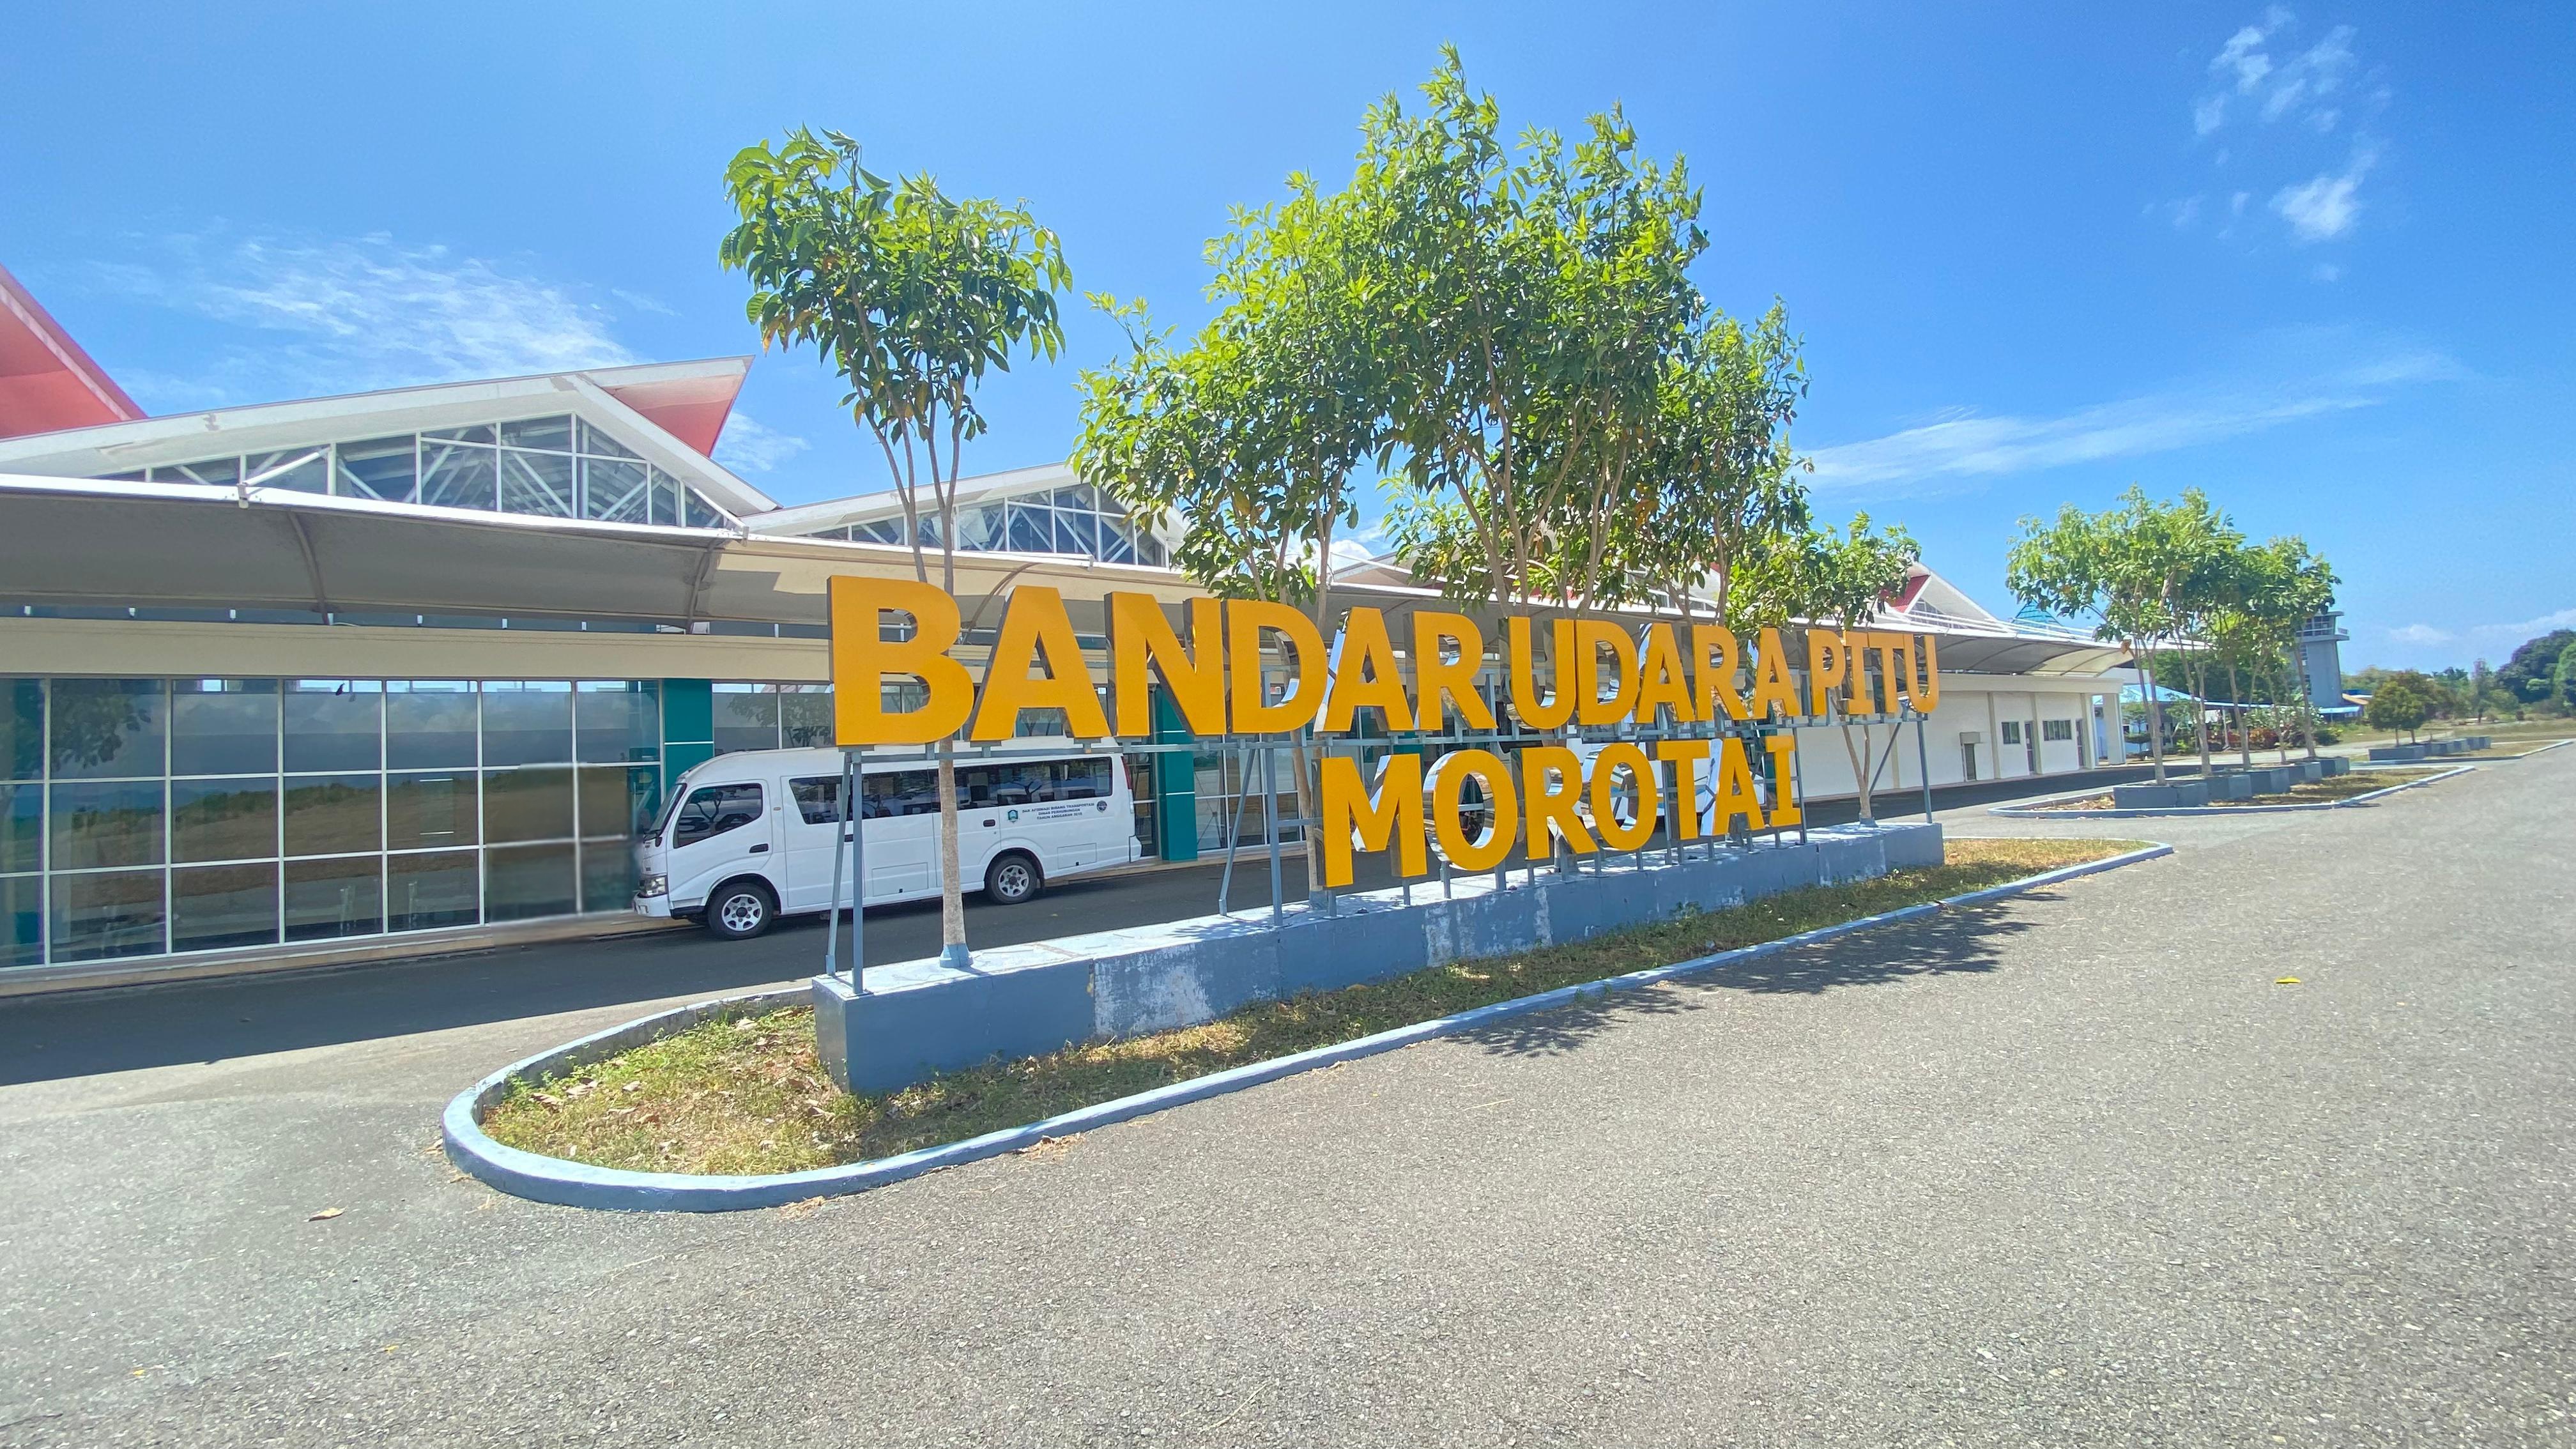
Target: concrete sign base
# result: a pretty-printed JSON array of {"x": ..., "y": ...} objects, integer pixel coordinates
[{"x": 919, "y": 1018}]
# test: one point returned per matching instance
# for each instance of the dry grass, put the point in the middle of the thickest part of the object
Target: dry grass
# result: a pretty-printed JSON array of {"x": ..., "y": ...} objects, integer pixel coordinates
[{"x": 748, "y": 1094}]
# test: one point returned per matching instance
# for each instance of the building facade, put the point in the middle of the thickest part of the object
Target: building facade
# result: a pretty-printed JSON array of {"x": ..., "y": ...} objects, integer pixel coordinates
[{"x": 414, "y": 666}]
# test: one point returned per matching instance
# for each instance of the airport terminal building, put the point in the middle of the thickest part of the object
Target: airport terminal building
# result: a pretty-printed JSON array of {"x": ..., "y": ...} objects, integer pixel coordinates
[{"x": 293, "y": 683}]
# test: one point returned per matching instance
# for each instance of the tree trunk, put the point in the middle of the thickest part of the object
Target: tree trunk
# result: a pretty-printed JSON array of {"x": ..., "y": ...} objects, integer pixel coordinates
[
  {"x": 2155, "y": 718},
  {"x": 1861, "y": 768},
  {"x": 952, "y": 891},
  {"x": 2244, "y": 736}
]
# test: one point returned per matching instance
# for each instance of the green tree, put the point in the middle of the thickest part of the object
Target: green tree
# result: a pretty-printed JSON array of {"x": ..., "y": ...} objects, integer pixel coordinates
[
  {"x": 1527, "y": 303},
  {"x": 2528, "y": 673},
  {"x": 912, "y": 296},
  {"x": 1843, "y": 579},
  {"x": 1251, "y": 433},
  {"x": 2143, "y": 569},
  {"x": 2397, "y": 707}
]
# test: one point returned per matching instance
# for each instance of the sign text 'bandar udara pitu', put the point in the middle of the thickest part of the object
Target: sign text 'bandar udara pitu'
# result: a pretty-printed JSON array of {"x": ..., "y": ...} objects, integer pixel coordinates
[{"x": 1211, "y": 668}]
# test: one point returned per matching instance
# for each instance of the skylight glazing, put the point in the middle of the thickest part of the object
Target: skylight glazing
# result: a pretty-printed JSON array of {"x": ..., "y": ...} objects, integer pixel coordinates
[
  {"x": 550, "y": 467},
  {"x": 1075, "y": 520}
]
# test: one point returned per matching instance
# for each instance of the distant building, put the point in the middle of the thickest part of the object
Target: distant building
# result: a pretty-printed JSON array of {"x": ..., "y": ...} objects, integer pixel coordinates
[{"x": 2318, "y": 650}]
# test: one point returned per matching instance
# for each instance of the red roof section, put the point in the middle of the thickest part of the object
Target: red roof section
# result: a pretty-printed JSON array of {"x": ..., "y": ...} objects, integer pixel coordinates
[
  {"x": 691, "y": 409},
  {"x": 47, "y": 383}
]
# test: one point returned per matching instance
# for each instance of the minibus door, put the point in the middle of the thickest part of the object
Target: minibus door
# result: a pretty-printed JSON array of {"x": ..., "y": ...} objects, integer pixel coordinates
[{"x": 811, "y": 829}]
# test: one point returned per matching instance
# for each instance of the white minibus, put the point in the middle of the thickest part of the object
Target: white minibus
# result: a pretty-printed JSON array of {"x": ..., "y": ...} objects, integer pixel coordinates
[{"x": 749, "y": 837}]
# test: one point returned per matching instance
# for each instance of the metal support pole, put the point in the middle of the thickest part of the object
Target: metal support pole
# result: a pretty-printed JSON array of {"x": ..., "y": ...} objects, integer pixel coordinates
[
  {"x": 1923, "y": 759},
  {"x": 1270, "y": 822},
  {"x": 832, "y": 920},
  {"x": 858, "y": 881}
]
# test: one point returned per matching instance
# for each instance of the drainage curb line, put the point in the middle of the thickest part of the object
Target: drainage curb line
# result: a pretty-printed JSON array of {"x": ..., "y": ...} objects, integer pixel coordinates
[
  {"x": 2197, "y": 812},
  {"x": 576, "y": 1184}
]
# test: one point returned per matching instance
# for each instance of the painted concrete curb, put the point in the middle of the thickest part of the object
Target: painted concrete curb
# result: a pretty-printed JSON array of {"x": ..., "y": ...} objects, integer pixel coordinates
[
  {"x": 574, "y": 1184},
  {"x": 2031, "y": 812}
]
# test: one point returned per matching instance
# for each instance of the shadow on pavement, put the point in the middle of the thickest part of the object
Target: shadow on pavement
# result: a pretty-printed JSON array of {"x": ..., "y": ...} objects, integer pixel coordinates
[{"x": 1968, "y": 939}]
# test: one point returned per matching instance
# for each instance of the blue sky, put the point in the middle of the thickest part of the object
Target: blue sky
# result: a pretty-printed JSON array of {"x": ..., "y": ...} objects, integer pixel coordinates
[{"x": 2313, "y": 259}]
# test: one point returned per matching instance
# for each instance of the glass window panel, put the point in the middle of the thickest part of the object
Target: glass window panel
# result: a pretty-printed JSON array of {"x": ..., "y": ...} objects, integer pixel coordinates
[
  {"x": 596, "y": 440},
  {"x": 454, "y": 475},
  {"x": 528, "y": 880},
  {"x": 22, "y": 920},
  {"x": 328, "y": 898},
  {"x": 607, "y": 876},
  {"x": 982, "y": 529},
  {"x": 107, "y": 824},
  {"x": 213, "y": 908},
  {"x": 1116, "y": 543},
  {"x": 223, "y": 819},
  {"x": 386, "y": 469},
  {"x": 334, "y": 724},
  {"x": 1031, "y": 531},
  {"x": 616, "y": 490},
  {"x": 745, "y": 721},
  {"x": 527, "y": 722},
  {"x": 332, "y": 814},
  {"x": 22, "y": 827},
  {"x": 927, "y": 528},
  {"x": 430, "y": 809},
  {"x": 302, "y": 470},
  {"x": 223, "y": 726},
  {"x": 617, "y": 720},
  {"x": 430, "y": 724},
  {"x": 1074, "y": 534},
  {"x": 22, "y": 729},
  {"x": 104, "y": 728},
  {"x": 553, "y": 434},
  {"x": 220, "y": 472},
  {"x": 1079, "y": 496},
  {"x": 478, "y": 433},
  {"x": 536, "y": 483},
  {"x": 113, "y": 913},
  {"x": 440, "y": 888},
  {"x": 805, "y": 719},
  {"x": 883, "y": 530},
  {"x": 701, "y": 514},
  {"x": 617, "y": 801},
  {"x": 666, "y": 499},
  {"x": 527, "y": 805}
]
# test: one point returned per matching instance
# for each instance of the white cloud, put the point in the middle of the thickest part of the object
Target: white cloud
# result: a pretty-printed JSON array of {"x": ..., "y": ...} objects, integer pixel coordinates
[
  {"x": 2485, "y": 635},
  {"x": 1967, "y": 446},
  {"x": 354, "y": 314},
  {"x": 2297, "y": 88},
  {"x": 749, "y": 447},
  {"x": 2325, "y": 207},
  {"x": 2264, "y": 88}
]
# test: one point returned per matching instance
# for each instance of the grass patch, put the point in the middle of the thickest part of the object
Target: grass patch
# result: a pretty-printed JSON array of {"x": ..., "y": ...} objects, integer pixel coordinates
[{"x": 748, "y": 1094}]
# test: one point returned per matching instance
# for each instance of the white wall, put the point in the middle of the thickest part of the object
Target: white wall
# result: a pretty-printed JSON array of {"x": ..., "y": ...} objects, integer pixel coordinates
[{"x": 1979, "y": 704}]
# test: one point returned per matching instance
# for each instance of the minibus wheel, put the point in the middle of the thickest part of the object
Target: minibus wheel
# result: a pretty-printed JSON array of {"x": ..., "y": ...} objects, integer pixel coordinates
[
  {"x": 1013, "y": 878},
  {"x": 740, "y": 911}
]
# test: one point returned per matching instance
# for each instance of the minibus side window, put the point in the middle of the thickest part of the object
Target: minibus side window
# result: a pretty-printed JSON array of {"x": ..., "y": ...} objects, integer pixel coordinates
[
  {"x": 817, "y": 799},
  {"x": 712, "y": 810},
  {"x": 909, "y": 792},
  {"x": 1084, "y": 779}
]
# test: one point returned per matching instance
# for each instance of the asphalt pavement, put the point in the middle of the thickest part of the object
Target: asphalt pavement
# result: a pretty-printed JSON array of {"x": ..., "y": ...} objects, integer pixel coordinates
[{"x": 2070, "y": 1170}]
